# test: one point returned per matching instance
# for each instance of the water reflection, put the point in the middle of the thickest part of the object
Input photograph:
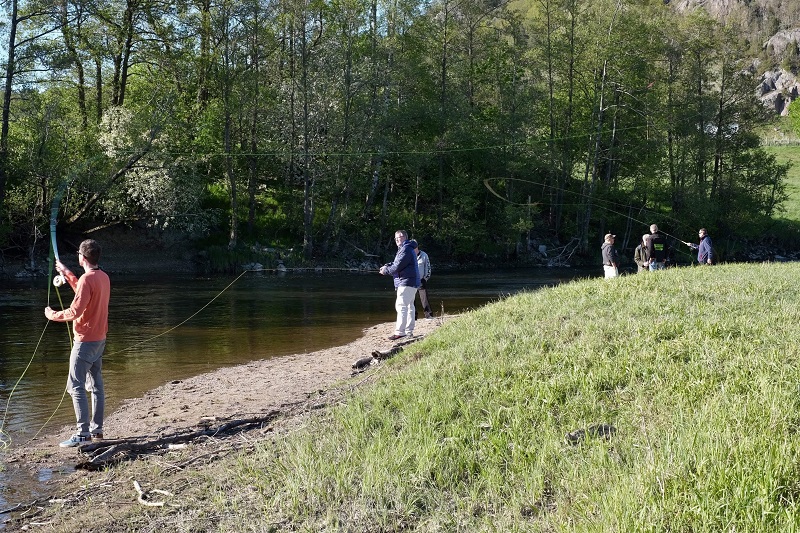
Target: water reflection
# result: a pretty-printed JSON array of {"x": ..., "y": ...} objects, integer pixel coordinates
[{"x": 260, "y": 316}]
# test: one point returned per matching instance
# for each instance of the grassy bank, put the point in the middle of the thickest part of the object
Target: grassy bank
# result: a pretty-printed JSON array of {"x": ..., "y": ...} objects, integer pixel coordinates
[
  {"x": 696, "y": 369},
  {"x": 790, "y": 154}
]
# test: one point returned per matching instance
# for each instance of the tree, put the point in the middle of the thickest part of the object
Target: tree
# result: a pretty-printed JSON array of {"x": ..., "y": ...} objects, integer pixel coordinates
[{"x": 28, "y": 24}]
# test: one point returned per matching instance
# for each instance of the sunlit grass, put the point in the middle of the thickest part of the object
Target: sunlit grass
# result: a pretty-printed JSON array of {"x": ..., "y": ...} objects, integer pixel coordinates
[
  {"x": 790, "y": 154},
  {"x": 696, "y": 368}
]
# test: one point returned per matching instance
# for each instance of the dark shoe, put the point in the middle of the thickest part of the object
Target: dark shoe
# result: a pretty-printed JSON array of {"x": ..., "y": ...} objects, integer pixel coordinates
[
  {"x": 395, "y": 337},
  {"x": 97, "y": 437},
  {"x": 75, "y": 440}
]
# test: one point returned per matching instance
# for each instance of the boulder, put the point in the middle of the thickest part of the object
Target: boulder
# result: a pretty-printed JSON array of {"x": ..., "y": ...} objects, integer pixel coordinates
[
  {"x": 781, "y": 40},
  {"x": 777, "y": 89}
]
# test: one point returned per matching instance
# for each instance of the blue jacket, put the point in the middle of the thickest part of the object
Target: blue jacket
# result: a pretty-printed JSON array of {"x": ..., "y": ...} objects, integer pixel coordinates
[
  {"x": 705, "y": 251},
  {"x": 404, "y": 267}
]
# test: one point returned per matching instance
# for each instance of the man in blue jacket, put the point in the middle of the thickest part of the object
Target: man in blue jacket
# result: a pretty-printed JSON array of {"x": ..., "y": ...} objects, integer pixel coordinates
[
  {"x": 406, "y": 282},
  {"x": 705, "y": 251}
]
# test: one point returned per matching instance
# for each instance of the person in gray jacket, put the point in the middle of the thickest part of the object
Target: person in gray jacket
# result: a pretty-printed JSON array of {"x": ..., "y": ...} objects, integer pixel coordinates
[
  {"x": 406, "y": 281},
  {"x": 424, "y": 266},
  {"x": 640, "y": 256},
  {"x": 610, "y": 257}
]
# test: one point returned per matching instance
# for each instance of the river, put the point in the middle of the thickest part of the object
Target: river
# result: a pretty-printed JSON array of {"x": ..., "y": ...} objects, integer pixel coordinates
[{"x": 169, "y": 327}]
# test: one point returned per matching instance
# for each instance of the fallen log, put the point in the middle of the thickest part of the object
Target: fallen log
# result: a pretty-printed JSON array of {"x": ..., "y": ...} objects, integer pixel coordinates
[
  {"x": 394, "y": 350},
  {"x": 364, "y": 362},
  {"x": 361, "y": 364}
]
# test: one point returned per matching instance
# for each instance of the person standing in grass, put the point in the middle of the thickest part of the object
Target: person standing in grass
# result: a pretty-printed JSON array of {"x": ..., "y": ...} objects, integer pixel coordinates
[
  {"x": 405, "y": 272},
  {"x": 89, "y": 316},
  {"x": 640, "y": 255},
  {"x": 705, "y": 251},
  {"x": 657, "y": 249},
  {"x": 424, "y": 267},
  {"x": 610, "y": 257}
]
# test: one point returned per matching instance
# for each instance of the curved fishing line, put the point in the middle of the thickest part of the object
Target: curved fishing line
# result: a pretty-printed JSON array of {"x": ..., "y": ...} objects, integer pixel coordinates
[
  {"x": 4, "y": 444},
  {"x": 179, "y": 325},
  {"x": 597, "y": 201},
  {"x": 5, "y": 438},
  {"x": 428, "y": 151},
  {"x": 173, "y": 328},
  {"x": 133, "y": 346}
]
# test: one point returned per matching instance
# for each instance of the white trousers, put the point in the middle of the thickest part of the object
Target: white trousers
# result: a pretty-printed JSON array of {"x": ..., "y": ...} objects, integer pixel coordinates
[
  {"x": 406, "y": 313},
  {"x": 611, "y": 271}
]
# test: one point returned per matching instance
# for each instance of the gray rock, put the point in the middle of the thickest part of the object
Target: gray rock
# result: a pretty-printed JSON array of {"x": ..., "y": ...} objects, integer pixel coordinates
[{"x": 781, "y": 40}]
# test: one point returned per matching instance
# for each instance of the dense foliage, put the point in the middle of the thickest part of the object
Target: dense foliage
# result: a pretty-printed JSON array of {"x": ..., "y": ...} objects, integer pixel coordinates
[{"x": 327, "y": 124}]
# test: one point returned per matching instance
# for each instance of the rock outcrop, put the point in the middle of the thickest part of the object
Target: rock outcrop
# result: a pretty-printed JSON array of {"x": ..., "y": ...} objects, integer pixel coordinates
[
  {"x": 778, "y": 43},
  {"x": 778, "y": 88}
]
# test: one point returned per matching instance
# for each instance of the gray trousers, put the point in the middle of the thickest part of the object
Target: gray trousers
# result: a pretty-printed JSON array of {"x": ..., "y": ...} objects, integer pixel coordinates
[
  {"x": 85, "y": 365},
  {"x": 423, "y": 298}
]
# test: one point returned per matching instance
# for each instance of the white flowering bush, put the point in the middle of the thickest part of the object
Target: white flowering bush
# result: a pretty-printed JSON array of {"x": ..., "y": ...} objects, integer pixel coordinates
[{"x": 115, "y": 135}]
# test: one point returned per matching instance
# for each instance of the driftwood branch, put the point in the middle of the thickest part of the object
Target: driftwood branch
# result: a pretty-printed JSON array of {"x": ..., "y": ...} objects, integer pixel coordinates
[
  {"x": 24, "y": 506},
  {"x": 105, "y": 452},
  {"x": 144, "y": 497},
  {"x": 361, "y": 364}
]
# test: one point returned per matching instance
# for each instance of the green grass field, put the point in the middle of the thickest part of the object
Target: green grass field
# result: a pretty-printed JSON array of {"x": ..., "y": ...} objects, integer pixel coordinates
[
  {"x": 697, "y": 370},
  {"x": 791, "y": 154}
]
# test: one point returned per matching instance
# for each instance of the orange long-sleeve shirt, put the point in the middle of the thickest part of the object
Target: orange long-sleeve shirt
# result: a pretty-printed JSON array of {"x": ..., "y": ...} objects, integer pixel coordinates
[{"x": 89, "y": 309}]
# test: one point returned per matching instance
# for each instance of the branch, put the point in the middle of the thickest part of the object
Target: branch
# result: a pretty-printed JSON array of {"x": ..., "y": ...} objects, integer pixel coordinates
[
  {"x": 144, "y": 496},
  {"x": 113, "y": 179},
  {"x": 104, "y": 452}
]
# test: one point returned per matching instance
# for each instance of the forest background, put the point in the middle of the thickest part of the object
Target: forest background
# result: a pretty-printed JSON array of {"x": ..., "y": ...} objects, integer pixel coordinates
[{"x": 311, "y": 130}]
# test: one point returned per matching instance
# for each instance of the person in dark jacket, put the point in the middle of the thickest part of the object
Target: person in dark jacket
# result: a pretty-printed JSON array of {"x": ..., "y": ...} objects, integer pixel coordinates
[
  {"x": 657, "y": 249},
  {"x": 705, "y": 251},
  {"x": 610, "y": 257},
  {"x": 405, "y": 272},
  {"x": 640, "y": 255}
]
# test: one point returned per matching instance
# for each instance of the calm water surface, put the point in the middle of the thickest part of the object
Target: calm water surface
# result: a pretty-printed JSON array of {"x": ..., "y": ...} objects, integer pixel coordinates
[{"x": 259, "y": 316}]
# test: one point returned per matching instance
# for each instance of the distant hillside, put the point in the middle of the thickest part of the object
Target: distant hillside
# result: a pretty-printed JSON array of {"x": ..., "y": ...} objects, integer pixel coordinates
[
  {"x": 771, "y": 28},
  {"x": 766, "y": 24},
  {"x": 758, "y": 19}
]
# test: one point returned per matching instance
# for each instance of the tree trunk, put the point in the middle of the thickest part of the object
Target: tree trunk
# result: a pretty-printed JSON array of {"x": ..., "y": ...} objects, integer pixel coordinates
[
  {"x": 9, "y": 85},
  {"x": 69, "y": 44},
  {"x": 308, "y": 181}
]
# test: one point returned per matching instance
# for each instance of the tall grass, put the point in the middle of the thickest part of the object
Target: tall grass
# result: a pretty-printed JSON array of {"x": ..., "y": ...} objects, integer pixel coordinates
[
  {"x": 790, "y": 154},
  {"x": 695, "y": 368}
]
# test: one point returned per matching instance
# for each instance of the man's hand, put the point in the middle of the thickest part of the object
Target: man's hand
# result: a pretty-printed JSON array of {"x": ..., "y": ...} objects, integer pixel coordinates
[
  {"x": 49, "y": 313},
  {"x": 383, "y": 270},
  {"x": 61, "y": 268}
]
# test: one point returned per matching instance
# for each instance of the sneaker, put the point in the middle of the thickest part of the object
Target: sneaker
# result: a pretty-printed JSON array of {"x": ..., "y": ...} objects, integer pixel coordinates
[
  {"x": 430, "y": 318},
  {"x": 395, "y": 337},
  {"x": 97, "y": 437},
  {"x": 75, "y": 440}
]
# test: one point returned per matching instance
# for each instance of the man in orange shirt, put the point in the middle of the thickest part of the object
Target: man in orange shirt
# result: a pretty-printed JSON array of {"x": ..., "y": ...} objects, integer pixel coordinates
[{"x": 89, "y": 316}]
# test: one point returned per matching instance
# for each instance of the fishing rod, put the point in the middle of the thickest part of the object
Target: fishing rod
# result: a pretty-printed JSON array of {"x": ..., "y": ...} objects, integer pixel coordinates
[{"x": 57, "y": 281}]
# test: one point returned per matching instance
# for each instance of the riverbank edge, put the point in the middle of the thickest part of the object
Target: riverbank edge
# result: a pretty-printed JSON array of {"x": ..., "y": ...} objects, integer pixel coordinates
[{"x": 292, "y": 386}]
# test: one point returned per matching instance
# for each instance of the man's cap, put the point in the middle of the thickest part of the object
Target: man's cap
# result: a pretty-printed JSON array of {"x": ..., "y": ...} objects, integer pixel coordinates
[{"x": 609, "y": 236}]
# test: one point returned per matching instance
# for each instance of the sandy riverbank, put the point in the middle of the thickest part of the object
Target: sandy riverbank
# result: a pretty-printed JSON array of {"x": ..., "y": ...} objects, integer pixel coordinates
[{"x": 230, "y": 393}]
